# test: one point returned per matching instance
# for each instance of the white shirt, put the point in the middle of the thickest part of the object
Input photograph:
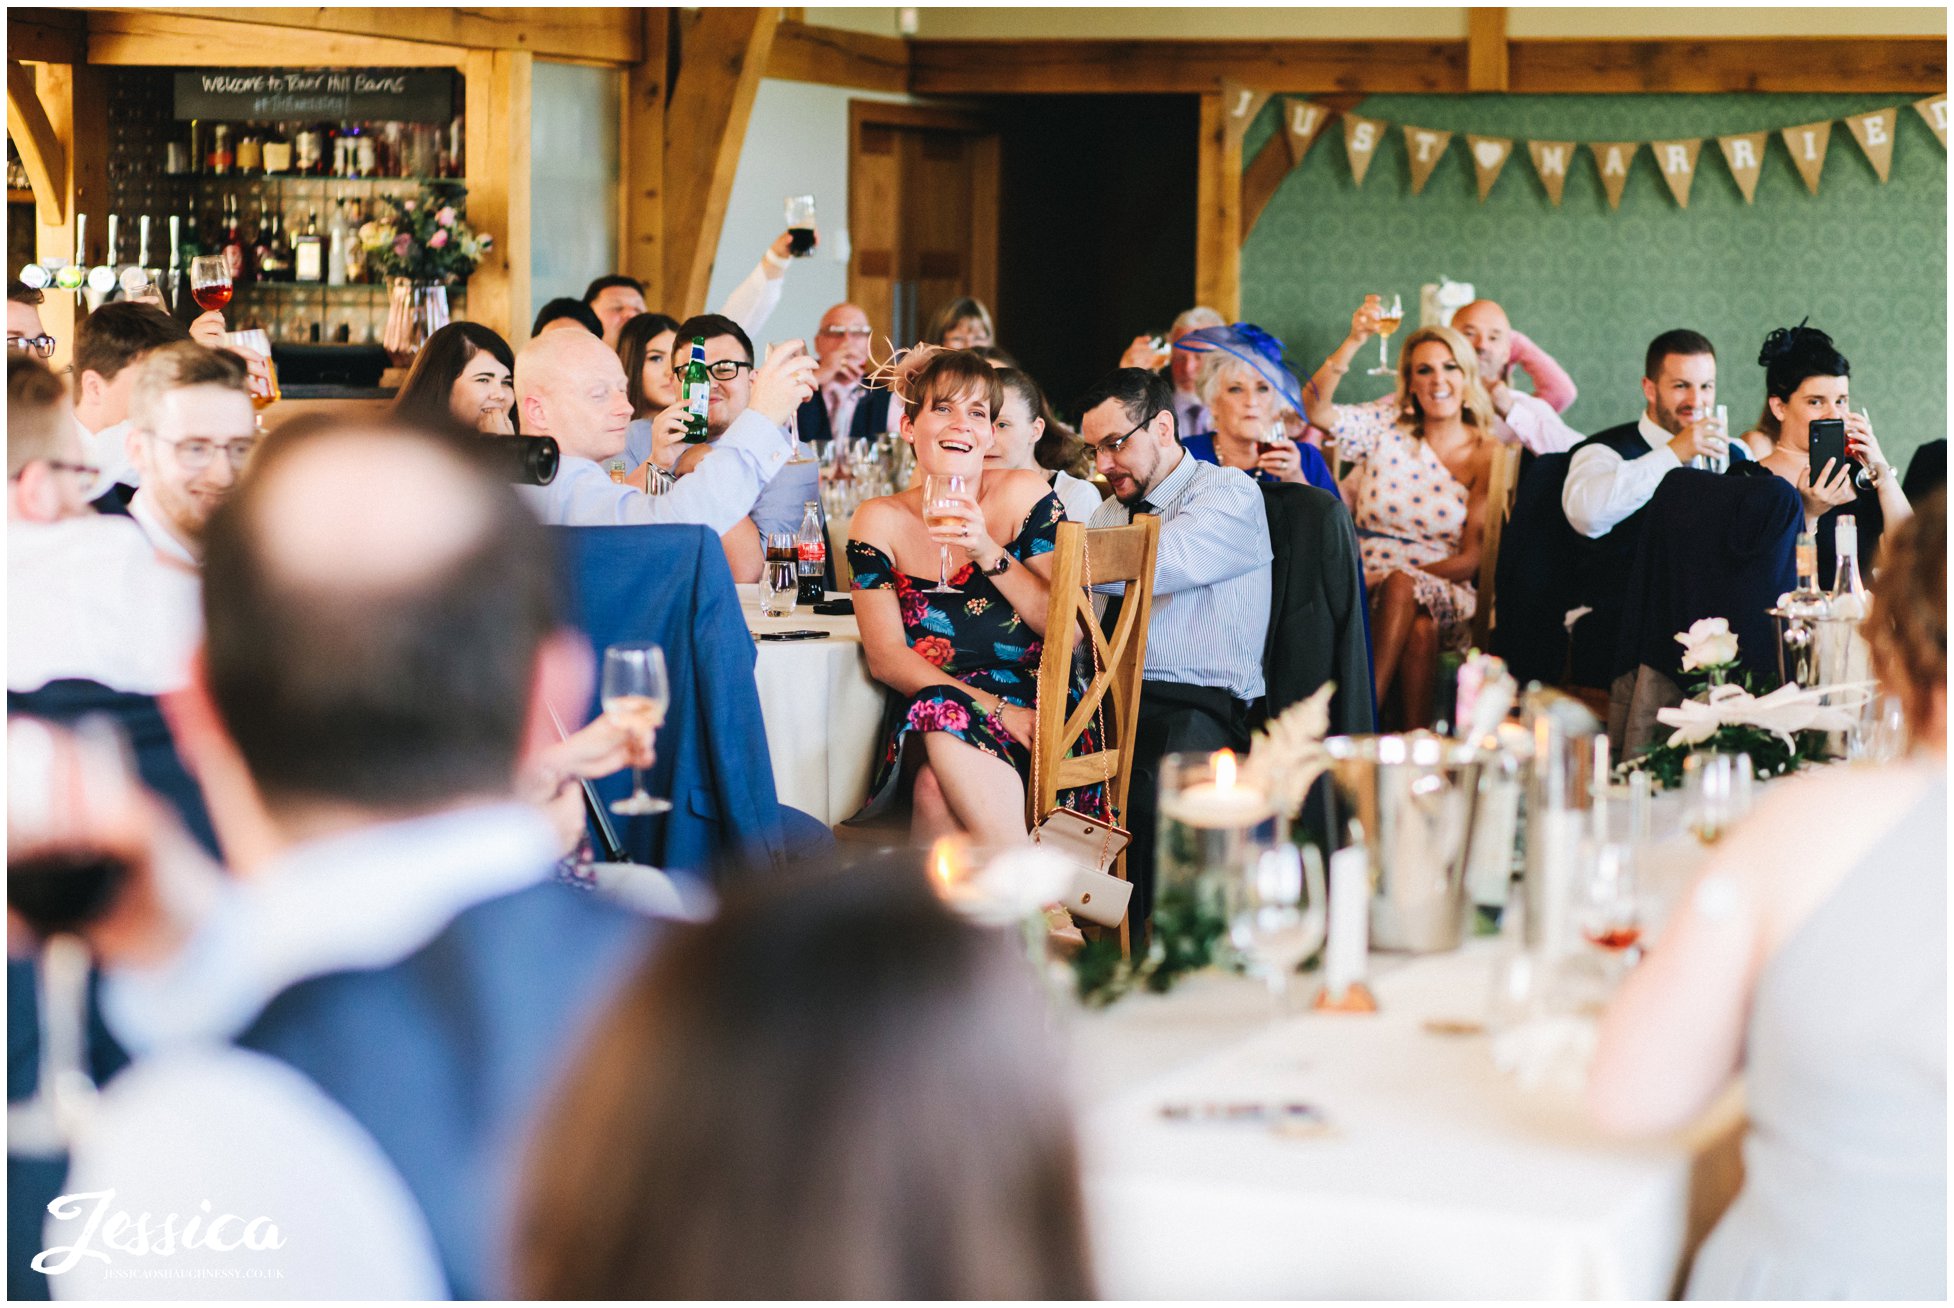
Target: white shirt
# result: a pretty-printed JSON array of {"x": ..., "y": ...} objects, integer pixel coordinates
[
  {"x": 716, "y": 494},
  {"x": 1080, "y": 497},
  {"x": 753, "y": 301},
  {"x": 1603, "y": 488},
  {"x": 108, "y": 449},
  {"x": 160, "y": 537},
  {"x": 248, "y": 1131},
  {"x": 88, "y": 597}
]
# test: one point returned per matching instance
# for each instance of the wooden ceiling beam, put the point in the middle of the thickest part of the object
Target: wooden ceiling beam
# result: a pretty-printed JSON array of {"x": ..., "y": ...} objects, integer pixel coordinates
[
  {"x": 143, "y": 39},
  {"x": 834, "y": 57},
  {"x": 1807, "y": 65},
  {"x": 584, "y": 34}
]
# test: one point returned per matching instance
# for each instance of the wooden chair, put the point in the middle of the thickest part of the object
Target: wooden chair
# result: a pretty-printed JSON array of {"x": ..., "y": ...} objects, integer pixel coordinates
[
  {"x": 1499, "y": 505},
  {"x": 1117, "y": 554}
]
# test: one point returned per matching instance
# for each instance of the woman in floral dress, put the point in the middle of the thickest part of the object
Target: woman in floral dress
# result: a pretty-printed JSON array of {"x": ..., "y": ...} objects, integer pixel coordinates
[
  {"x": 1418, "y": 494},
  {"x": 963, "y": 666}
]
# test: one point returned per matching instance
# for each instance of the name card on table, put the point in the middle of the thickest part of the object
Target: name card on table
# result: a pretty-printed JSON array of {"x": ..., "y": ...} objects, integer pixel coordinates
[{"x": 415, "y": 95}]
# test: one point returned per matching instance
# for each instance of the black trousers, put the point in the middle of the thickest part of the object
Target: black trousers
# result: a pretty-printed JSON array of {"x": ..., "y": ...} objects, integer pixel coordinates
[{"x": 1173, "y": 719}]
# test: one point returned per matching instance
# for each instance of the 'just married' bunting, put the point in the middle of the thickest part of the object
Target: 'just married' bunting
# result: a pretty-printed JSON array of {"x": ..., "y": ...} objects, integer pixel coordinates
[
  {"x": 1874, "y": 132},
  {"x": 1489, "y": 156},
  {"x": 1807, "y": 145},
  {"x": 1676, "y": 161},
  {"x": 1360, "y": 138}
]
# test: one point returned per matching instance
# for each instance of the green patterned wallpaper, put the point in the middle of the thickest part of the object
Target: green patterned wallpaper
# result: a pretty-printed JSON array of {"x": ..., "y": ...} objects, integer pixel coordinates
[{"x": 1867, "y": 262}]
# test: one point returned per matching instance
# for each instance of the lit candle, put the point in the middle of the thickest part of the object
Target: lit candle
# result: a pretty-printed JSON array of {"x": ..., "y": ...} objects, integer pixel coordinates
[
  {"x": 1219, "y": 803},
  {"x": 1350, "y": 923}
]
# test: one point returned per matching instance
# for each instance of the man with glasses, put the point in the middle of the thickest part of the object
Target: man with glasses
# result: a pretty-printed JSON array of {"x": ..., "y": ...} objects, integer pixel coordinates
[
  {"x": 191, "y": 431},
  {"x": 1212, "y": 582},
  {"x": 572, "y": 388},
  {"x": 24, "y": 329},
  {"x": 87, "y": 596},
  {"x": 843, "y": 403}
]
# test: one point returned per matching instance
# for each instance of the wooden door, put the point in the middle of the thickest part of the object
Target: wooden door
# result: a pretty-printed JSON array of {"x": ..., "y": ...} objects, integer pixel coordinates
[{"x": 922, "y": 214}]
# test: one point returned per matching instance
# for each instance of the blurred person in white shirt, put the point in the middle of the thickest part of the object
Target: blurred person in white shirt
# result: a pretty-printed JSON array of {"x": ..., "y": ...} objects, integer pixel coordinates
[{"x": 191, "y": 431}]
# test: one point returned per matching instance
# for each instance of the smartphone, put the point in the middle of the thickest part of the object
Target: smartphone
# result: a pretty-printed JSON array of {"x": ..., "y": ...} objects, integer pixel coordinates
[
  {"x": 792, "y": 635},
  {"x": 1827, "y": 443}
]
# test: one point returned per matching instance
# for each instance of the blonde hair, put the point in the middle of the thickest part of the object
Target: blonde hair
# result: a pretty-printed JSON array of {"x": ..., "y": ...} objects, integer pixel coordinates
[
  {"x": 1216, "y": 368},
  {"x": 175, "y": 367},
  {"x": 1477, "y": 409}
]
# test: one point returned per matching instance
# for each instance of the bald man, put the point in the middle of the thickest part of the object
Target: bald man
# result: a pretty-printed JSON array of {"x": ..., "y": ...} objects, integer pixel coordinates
[
  {"x": 1529, "y": 420},
  {"x": 570, "y": 386},
  {"x": 841, "y": 402},
  {"x": 383, "y": 639}
]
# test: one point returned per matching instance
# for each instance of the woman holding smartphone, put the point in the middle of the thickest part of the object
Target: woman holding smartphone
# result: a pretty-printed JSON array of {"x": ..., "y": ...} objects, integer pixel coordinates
[{"x": 1806, "y": 381}]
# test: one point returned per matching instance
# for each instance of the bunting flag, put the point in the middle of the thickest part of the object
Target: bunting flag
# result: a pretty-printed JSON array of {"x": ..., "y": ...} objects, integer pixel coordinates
[
  {"x": 1360, "y": 138},
  {"x": 1303, "y": 122},
  {"x": 1743, "y": 154},
  {"x": 1676, "y": 161},
  {"x": 1239, "y": 105},
  {"x": 1489, "y": 156},
  {"x": 1425, "y": 148},
  {"x": 1933, "y": 112},
  {"x": 1874, "y": 132},
  {"x": 1550, "y": 162},
  {"x": 1613, "y": 159},
  {"x": 1807, "y": 145}
]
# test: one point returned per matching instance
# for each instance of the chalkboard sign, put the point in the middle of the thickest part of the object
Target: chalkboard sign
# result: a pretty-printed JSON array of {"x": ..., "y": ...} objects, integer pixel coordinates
[{"x": 413, "y": 95}]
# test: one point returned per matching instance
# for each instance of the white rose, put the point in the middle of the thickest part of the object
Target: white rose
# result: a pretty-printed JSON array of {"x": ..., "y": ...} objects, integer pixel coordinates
[{"x": 1708, "y": 643}]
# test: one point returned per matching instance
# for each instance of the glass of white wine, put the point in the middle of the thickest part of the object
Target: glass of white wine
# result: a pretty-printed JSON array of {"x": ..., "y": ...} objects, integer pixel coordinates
[
  {"x": 636, "y": 693},
  {"x": 941, "y": 491},
  {"x": 1716, "y": 792},
  {"x": 1389, "y": 316}
]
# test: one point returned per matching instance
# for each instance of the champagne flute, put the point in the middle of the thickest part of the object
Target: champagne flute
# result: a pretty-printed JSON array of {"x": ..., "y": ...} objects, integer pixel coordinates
[
  {"x": 941, "y": 491},
  {"x": 1389, "y": 316},
  {"x": 1279, "y": 914},
  {"x": 636, "y": 694},
  {"x": 210, "y": 281}
]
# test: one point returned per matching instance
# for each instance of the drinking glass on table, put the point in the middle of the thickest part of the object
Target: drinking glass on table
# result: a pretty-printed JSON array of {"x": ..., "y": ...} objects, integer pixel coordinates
[
  {"x": 1278, "y": 913},
  {"x": 940, "y": 491},
  {"x": 1389, "y": 315},
  {"x": 210, "y": 281},
  {"x": 636, "y": 694},
  {"x": 1716, "y": 793},
  {"x": 780, "y": 577},
  {"x": 1608, "y": 899}
]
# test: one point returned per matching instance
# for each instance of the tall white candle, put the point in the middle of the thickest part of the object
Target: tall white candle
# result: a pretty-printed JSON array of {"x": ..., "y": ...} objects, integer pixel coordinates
[{"x": 1344, "y": 958}]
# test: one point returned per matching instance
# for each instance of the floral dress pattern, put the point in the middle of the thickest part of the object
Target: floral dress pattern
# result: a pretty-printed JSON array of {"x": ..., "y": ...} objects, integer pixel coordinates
[
  {"x": 1410, "y": 510},
  {"x": 975, "y": 636}
]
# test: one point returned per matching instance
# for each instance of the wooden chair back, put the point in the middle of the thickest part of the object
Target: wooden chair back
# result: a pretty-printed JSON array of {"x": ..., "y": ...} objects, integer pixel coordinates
[
  {"x": 1499, "y": 507},
  {"x": 1111, "y": 554}
]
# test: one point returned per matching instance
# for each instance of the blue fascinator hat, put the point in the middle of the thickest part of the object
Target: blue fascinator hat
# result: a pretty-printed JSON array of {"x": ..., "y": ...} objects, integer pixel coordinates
[{"x": 1254, "y": 347}]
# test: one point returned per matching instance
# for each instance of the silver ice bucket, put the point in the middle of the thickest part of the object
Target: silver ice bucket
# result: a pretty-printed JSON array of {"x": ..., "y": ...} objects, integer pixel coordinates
[{"x": 1414, "y": 798}]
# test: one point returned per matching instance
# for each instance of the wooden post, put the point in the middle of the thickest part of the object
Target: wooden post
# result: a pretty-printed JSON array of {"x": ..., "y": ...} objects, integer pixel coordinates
[
  {"x": 1218, "y": 212},
  {"x": 76, "y": 107},
  {"x": 1486, "y": 53},
  {"x": 498, "y": 91},
  {"x": 641, "y": 153},
  {"x": 722, "y": 56}
]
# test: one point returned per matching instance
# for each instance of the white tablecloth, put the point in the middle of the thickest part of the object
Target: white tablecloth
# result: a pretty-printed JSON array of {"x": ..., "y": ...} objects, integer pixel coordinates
[
  {"x": 1440, "y": 1177},
  {"x": 823, "y": 713}
]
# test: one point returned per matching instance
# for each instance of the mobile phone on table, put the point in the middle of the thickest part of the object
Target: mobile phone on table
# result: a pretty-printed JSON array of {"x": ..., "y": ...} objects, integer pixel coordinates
[
  {"x": 1827, "y": 443},
  {"x": 792, "y": 635}
]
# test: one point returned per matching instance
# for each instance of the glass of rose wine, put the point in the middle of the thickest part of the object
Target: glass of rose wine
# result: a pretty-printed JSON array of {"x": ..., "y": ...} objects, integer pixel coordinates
[
  {"x": 210, "y": 281},
  {"x": 1610, "y": 905},
  {"x": 942, "y": 491},
  {"x": 1389, "y": 316},
  {"x": 636, "y": 693}
]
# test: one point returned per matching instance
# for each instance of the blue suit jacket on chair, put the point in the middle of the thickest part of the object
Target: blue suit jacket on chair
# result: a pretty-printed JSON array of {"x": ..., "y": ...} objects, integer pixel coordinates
[{"x": 671, "y": 586}]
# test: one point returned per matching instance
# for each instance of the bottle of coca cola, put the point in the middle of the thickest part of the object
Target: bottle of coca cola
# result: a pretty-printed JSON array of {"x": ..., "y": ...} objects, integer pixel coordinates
[{"x": 812, "y": 546}]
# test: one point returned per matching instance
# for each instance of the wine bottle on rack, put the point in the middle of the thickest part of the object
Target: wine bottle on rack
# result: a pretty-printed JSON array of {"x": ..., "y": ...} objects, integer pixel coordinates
[
  {"x": 233, "y": 242},
  {"x": 278, "y": 151},
  {"x": 220, "y": 150},
  {"x": 308, "y": 252},
  {"x": 278, "y": 255},
  {"x": 261, "y": 244}
]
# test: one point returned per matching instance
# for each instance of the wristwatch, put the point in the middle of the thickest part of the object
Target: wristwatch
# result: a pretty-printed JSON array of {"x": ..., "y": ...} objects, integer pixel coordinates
[{"x": 1003, "y": 565}]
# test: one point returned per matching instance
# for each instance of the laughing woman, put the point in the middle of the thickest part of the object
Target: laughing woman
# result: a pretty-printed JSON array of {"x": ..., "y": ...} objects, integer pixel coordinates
[{"x": 964, "y": 665}]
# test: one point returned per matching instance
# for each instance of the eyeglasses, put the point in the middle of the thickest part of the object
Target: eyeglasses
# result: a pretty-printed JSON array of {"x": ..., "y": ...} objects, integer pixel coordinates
[
  {"x": 194, "y": 453},
  {"x": 41, "y": 346},
  {"x": 863, "y": 330},
  {"x": 724, "y": 370},
  {"x": 87, "y": 475},
  {"x": 1114, "y": 446}
]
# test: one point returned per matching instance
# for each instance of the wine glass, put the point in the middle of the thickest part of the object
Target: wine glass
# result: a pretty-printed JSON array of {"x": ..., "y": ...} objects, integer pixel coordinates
[
  {"x": 61, "y": 784},
  {"x": 210, "y": 281},
  {"x": 780, "y": 587},
  {"x": 636, "y": 693},
  {"x": 1610, "y": 902},
  {"x": 800, "y": 226},
  {"x": 1278, "y": 913},
  {"x": 1388, "y": 317},
  {"x": 1716, "y": 792},
  {"x": 940, "y": 491}
]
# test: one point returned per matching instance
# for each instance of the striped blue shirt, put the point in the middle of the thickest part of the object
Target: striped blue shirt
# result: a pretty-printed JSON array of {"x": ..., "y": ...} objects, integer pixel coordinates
[{"x": 1211, "y": 579}]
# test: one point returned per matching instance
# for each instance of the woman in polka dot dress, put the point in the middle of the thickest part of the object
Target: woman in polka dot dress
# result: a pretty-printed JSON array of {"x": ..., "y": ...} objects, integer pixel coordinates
[{"x": 1418, "y": 494}]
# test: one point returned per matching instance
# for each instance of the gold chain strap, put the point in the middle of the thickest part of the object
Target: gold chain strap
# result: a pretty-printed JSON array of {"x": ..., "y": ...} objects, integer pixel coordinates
[{"x": 1099, "y": 715}]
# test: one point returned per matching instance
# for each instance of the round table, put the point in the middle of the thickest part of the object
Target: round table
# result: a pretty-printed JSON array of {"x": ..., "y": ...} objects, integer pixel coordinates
[{"x": 822, "y": 710}]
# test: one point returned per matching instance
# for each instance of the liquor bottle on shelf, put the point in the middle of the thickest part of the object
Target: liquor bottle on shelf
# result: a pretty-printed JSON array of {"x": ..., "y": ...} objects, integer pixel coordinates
[
  {"x": 308, "y": 152},
  {"x": 336, "y": 243},
  {"x": 308, "y": 252},
  {"x": 250, "y": 154},
  {"x": 261, "y": 244},
  {"x": 275, "y": 264},
  {"x": 278, "y": 151},
  {"x": 220, "y": 150},
  {"x": 234, "y": 242},
  {"x": 1850, "y": 600},
  {"x": 367, "y": 154},
  {"x": 197, "y": 162},
  {"x": 355, "y": 252}
]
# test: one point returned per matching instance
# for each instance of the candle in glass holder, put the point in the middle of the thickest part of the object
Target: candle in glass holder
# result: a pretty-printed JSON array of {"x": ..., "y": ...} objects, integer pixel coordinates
[{"x": 1222, "y": 802}]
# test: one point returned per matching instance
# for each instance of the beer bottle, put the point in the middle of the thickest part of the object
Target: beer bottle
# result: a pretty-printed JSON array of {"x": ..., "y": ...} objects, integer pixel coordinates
[{"x": 697, "y": 389}]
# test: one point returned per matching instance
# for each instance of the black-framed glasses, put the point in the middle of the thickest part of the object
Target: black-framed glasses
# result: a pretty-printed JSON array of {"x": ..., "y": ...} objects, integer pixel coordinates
[
  {"x": 39, "y": 346},
  {"x": 1114, "y": 446},
  {"x": 86, "y": 474},
  {"x": 727, "y": 369}
]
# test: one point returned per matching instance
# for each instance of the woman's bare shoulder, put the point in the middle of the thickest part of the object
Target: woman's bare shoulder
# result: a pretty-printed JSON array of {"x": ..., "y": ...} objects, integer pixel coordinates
[{"x": 877, "y": 519}]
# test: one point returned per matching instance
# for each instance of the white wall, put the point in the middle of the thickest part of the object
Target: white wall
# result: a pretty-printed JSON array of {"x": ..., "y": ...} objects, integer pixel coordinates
[
  {"x": 573, "y": 170},
  {"x": 796, "y": 144}
]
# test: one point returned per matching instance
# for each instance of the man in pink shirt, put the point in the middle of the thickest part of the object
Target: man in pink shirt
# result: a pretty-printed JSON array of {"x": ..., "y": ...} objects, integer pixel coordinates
[{"x": 1533, "y": 420}]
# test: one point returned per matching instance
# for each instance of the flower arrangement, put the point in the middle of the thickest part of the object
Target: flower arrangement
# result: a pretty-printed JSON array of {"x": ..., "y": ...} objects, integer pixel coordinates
[
  {"x": 425, "y": 238},
  {"x": 1284, "y": 760},
  {"x": 1781, "y": 731}
]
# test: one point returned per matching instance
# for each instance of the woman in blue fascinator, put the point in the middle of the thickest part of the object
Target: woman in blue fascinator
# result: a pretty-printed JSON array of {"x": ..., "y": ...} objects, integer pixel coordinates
[{"x": 1248, "y": 390}]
